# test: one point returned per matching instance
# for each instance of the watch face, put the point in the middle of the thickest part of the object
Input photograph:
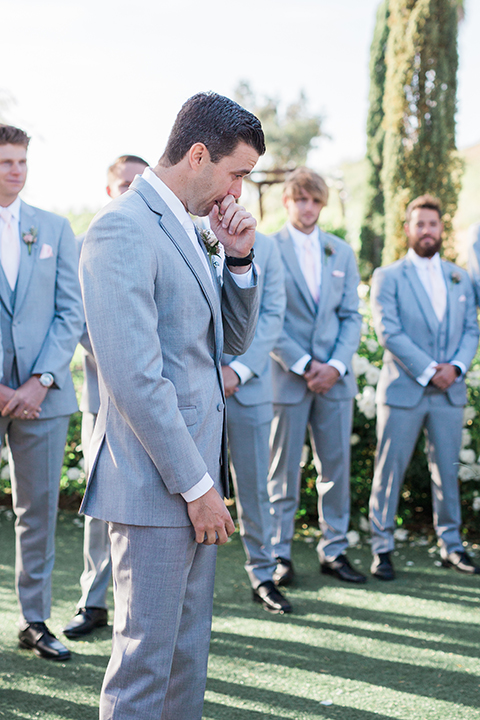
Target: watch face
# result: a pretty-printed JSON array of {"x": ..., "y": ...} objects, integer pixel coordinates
[{"x": 46, "y": 379}]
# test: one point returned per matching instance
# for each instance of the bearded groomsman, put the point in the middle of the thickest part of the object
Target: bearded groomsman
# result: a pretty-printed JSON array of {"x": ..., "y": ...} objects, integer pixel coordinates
[
  {"x": 248, "y": 387},
  {"x": 41, "y": 321},
  {"x": 425, "y": 318},
  {"x": 313, "y": 382},
  {"x": 92, "y": 607}
]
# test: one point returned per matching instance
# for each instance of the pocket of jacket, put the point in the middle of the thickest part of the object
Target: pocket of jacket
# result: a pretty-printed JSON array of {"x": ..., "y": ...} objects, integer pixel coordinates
[{"x": 189, "y": 414}]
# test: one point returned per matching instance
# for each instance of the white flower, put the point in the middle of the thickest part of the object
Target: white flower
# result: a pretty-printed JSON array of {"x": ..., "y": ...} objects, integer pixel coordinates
[
  {"x": 400, "y": 534},
  {"x": 466, "y": 472},
  {"x": 364, "y": 524},
  {"x": 372, "y": 345},
  {"x": 365, "y": 328},
  {"x": 360, "y": 364},
  {"x": 467, "y": 456},
  {"x": 73, "y": 473},
  {"x": 466, "y": 438},
  {"x": 476, "y": 504},
  {"x": 353, "y": 538},
  {"x": 366, "y": 402},
  {"x": 5, "y": 473},
  {"x": 4, "y": 453},
  {"x": 372, "y": 374},
  {"x": 354, "y": 439},
  {"x": 468, "y": 414},
  {"x": 473, "y": 378}
]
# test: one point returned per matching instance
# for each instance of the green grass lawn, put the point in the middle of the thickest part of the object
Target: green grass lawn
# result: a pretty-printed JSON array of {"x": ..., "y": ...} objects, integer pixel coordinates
[{"x": 407, "y": 650}]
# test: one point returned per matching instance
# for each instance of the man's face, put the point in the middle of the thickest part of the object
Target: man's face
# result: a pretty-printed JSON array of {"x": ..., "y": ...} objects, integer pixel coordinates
[
  {"x": 424, "y": 232},
  {"x": 217, "y": 180},
  {"x": 124, "y": 175},
  {"x": 303, "y": 210},
  {"x": 13, "y": 172}
]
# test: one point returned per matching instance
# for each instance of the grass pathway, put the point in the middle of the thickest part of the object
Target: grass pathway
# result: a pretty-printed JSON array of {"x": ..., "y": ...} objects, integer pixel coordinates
[{"x": 407, "y": 650}]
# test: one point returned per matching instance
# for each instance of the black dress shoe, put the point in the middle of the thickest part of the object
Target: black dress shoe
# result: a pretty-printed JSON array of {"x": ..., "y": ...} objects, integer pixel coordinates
[
  {"x": 272, "y": 599},
  {"x": 86, "y": 620},
  {"x": 37, "y": 637},
  {"x": 382, "y": 567},
  {"x": 341, "y": 568},
  {"x": 284, "y": 573},
  {"x": 462, "y": 562}
]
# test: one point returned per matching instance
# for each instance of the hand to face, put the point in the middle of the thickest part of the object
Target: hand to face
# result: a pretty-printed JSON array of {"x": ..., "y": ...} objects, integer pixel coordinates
[
  {"x": 24, "y": 403},
  {"x": 445, "y": 375},
  {"x": 230, "y": 380},
  {"x": 210, "y": 519},
  {"x": 321, "y": 377},
  {"x": 233, "y": 226}
]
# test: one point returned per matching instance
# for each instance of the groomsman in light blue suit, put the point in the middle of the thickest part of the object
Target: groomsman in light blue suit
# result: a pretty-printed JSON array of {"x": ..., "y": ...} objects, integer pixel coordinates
[
  {"x": 40, "y": 320},
  {"x": 425, "y": 317},
  {"x": 313, "y": 382},
  {"x": 248, "y": 386}
]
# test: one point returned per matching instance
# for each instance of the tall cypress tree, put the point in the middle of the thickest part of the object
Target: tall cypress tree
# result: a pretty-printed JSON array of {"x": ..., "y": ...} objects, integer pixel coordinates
[
  {"x": 373, "y": 226},
  {"x": 419, "y": 153}
]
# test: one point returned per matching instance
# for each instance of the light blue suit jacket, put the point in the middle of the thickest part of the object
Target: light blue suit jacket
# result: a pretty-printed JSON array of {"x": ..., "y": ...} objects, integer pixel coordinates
[
  {"x": 474, "y": 258},
  {"x": 271, "y": 290},
  {"x": 331, "y": 330},
  {"x": 41, "y": 329},
  {"x": 408, "y": 329},
  {"x": 157, "y": 322},
  {"x": 90, "y": 401}
]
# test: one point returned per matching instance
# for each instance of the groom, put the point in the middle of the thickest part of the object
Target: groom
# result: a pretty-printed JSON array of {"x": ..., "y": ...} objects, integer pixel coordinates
[{"x": 158, "y": 322}]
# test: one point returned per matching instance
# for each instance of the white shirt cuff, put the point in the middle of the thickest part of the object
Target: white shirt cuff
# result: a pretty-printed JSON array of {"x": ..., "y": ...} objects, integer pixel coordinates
[
  {"x": 243, "y": 280},
  {"x": 462, "y": 367},
  {"x": 427, "y": 374},
  {"x": 199, "y": 489},
  {"x": 299, "y": 367},
  {"x": 243, "y": 372},
  {"x": 338, "y": 365}
]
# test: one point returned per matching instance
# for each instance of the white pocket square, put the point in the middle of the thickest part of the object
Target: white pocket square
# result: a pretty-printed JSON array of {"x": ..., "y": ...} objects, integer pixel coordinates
[
  {"x": 45, "y": 252},
  {"x": 338, "y": 273},
  {"x": 462, "y": 298}
]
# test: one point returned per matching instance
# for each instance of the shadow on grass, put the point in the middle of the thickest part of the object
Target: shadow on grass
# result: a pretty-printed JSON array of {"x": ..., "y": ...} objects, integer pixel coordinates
[{"x": 42, "y": 705}]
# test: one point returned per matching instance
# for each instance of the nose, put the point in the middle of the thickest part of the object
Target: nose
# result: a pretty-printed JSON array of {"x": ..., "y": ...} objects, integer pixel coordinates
[{"x": 236, "y": 188}]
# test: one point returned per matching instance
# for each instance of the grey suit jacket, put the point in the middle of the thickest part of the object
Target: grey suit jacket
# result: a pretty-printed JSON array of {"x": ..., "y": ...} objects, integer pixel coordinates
[
  {"x": 474, "y": 258},
  {"x": 157, "y": 323},
  {"x": 408, "y": 329},
  {"x": 41, "y": 323},
  {"x": 331, "y": 330},
  {"x": 271, "y": 290},
  {"x": 90, "y": 401}
]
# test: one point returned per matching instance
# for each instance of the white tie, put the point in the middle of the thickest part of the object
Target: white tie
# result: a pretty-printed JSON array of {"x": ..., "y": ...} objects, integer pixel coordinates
[
  {"x": 439, "y": 296},
  {"x": 9, "y": 248},
  {"x": 309, "y": 267}
]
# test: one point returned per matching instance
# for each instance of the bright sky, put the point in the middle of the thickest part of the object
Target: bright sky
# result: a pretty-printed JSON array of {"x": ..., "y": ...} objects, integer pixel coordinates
[{"x": 94, "y": 79}]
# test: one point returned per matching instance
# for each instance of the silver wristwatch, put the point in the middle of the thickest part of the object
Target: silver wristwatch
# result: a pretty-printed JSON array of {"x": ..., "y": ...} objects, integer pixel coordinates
[{"x": 46, "y": 379}]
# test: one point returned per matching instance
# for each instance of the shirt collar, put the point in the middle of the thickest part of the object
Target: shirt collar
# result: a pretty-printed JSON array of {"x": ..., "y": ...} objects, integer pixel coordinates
[
  {"x": 169, "y": 197},
  {"x": 422, "y": 262},
  {"x": 14, "y": 208},
  {"x": 299, "y": 237}
]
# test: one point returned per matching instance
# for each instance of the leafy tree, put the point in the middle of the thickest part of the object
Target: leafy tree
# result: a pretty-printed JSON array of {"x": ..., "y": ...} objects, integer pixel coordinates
[
  {"x": 372, "y": 232},
  {"x": 289, "y": 135},
  {"x": 419, "y": 152}
]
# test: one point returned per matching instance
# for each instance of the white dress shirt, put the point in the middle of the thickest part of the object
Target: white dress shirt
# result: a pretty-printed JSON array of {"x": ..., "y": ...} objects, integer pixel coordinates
[{"x": 14, "y": 210}]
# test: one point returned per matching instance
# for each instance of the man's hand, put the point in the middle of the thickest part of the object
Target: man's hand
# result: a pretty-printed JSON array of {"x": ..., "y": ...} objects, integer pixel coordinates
[
  {"x": 234, "y": 227},
  {"x": 321, "y": 377},
  {"x": 231, "y": 380},
  {"x": 25, "y": 402},
  {"x": 445, "y": 375},
  {"x": 6, "y": 394},
  {"x": 210, "y": 519}
]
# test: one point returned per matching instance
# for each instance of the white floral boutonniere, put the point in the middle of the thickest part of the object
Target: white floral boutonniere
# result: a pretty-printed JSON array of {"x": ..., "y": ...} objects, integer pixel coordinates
[
  {"x": 30, "y": 238},
  {"x": 455, "y": 278},
  {"x": 329, "y": 250},
  {"x": 212, "y": 245}
]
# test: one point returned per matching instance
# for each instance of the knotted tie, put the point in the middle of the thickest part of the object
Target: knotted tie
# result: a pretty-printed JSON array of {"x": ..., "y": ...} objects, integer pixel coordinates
[
  {"x": 439, "y": 295},
  {"x": 9, "y": 248},
  {"x": 309, "y": 267}
]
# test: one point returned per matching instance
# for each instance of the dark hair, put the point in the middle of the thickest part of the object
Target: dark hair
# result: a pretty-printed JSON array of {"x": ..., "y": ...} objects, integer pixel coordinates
[
  {"x": 217, "y": 122},
  {"x": 10, "y": 135},
  {"x": 122, "y": 160},
  {"x": 423, "y": 201}
]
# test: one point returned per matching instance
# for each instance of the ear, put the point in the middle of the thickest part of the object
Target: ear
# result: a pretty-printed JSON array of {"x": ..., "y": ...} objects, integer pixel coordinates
[
  {"x": 285, "y": 199},
  {"x": 198, "y": 156},
  {"x": 406, "y": 227}
]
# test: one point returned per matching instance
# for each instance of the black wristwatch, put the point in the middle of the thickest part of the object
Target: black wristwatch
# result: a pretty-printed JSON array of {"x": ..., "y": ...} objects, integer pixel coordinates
[{"x": 239, "y": 262}]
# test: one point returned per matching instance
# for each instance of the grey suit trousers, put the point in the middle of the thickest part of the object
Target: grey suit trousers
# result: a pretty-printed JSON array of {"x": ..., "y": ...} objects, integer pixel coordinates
[
  {"x": 248, "y": 440},
  {"x": 398, "y": 429},
  {"x": 329, "y": 423},
  {"x": 36, "y": 450},
  {"x": 97, "y": 564},
  {"x": 163, "y": 587}
]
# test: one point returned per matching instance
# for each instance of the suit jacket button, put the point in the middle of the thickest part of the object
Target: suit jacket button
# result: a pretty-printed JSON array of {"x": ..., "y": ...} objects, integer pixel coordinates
[{"x": 220, "y": 407}]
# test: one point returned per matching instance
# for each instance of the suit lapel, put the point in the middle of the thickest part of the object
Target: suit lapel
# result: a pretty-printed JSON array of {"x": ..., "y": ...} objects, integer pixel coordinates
[
  {"x": 290, "y": 258},
  {"x": 421, "y": 296},
  {"x": 451, "y": 296},
  {"x": 326, "y": 274},
  {"x": 28, "y": 219}
]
